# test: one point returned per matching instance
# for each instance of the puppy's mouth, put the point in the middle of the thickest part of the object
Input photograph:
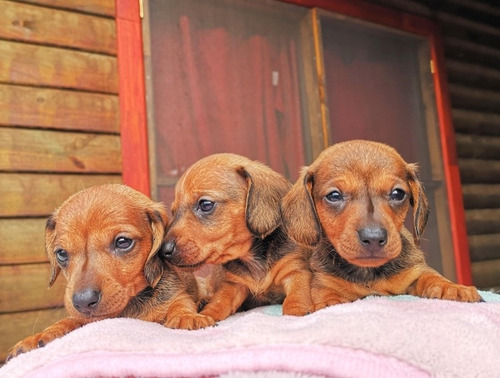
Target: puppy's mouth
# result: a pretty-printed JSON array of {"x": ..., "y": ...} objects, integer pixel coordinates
[
  {"x": 97, "y": 315},
  {"x": 368, "y": 261},
  {"x": 191, "y": 266}
]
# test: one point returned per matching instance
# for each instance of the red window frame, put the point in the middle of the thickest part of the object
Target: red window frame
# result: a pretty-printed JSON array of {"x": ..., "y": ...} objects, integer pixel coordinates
[{"x": 134, "y": 140}]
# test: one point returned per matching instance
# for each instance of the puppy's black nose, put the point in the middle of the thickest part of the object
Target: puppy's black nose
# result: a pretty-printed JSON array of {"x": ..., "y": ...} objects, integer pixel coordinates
[
  {"x": 373, "y": 237},
  {"x": 86, "y": 300},
  {"x": 168, "y": 249}
]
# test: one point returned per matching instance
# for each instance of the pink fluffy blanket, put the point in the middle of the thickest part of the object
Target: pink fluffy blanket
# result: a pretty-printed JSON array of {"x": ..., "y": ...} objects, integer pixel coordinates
[{"x": 375, "y": 337}]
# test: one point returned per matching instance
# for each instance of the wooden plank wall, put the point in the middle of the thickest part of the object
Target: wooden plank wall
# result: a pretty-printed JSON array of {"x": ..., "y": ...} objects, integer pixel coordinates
[
  {"x": 471, "y": 36},
  {"x": 59, "y": 133}
]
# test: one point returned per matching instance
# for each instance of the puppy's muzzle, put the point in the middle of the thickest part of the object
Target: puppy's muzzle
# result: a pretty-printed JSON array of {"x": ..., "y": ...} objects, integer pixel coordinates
[
  {"x": 86, "y": 301},
  {"x": 373, "y": 239}
]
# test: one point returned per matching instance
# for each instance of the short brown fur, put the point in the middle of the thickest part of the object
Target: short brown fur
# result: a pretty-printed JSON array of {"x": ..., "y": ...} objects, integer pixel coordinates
[
  {"x": 123, "y": 282},
  {"x": 350, "y": 205},
  {"x": 241, "y": 234}
]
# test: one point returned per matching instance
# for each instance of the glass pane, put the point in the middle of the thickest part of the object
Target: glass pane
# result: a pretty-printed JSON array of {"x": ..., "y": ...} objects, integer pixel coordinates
[
  {"x": 375, "y": 84},
  {"x": 224, "y": 77}
]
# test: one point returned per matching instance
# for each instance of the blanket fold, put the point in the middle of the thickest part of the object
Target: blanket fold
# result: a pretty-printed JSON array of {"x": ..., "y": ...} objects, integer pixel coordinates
[{"x": 376, "y": 337}]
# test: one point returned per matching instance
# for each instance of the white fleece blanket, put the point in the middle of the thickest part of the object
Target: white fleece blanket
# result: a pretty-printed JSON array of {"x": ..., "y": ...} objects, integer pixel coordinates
[{"x": 376, "y": 337}]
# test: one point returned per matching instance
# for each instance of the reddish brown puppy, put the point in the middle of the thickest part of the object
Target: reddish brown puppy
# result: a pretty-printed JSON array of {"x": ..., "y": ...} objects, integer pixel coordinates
[
  {"x": 105, "y": 240},
  {"x": 226, "y": 212},
  {"x": 350, "y": 205}
]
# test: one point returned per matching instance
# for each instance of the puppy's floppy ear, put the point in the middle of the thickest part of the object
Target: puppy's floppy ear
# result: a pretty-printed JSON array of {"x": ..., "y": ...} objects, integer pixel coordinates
[
  {"x": 265, "y": 189},
  {"x": 300, "y": 219},
  {"x": 153, "y": 269},
  {"x": 50, "y": 236},
  {"x": 419, "y": 202}
]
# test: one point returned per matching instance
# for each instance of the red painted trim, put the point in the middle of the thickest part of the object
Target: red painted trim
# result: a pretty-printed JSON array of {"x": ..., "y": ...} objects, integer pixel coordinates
[
  {"x": 450, "y": 160},
  {"x": 133, "y": 127}
]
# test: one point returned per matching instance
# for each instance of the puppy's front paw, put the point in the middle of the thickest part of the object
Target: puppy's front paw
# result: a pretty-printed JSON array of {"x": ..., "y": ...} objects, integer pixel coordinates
[
  {"x": 451, "y": 291},
  {"x": 296, "y": 307},
  {"x": 189, "y": 321},
  {"x": 38, "y": 340},
  {"x": 325, "y": 298}
]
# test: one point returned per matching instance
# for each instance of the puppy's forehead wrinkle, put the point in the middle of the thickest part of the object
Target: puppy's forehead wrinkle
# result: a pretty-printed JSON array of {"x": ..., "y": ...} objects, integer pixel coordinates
[
  {"x": 361, "y": 156},
  {"x": 216, "y": 184}
]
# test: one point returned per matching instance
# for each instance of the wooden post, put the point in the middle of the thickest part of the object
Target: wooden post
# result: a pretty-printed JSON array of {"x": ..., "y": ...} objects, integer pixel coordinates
[{"x": 133, "y": 127}]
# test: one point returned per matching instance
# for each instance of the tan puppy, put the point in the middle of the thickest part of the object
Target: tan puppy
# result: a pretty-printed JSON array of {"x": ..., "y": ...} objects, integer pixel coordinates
[
  {"x": 350, "y": 204},
  {"x": 105, "y": 240},
  {"x": 226, "y": 211}
]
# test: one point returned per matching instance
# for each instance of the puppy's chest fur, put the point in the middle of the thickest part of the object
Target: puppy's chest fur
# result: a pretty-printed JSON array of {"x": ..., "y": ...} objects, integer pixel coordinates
[
  {"x": 149, "y": 303},
  {"x": 326, "y": 259},
  {"x": 255, "y": 269}
]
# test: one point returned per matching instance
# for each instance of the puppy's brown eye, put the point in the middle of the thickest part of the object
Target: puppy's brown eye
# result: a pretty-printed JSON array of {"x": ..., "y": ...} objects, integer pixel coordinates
[
  {"x": 62, "y": 257},
  {"x": 397, "y": 195},
  {"x": 206, "y": 206},
  {"x": 124, "y": 244},
  {"x": 334, "y": 196}
]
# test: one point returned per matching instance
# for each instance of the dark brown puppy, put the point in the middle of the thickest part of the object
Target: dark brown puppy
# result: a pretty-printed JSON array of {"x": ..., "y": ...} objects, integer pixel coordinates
[
  {"x": 226, "y": 211},
  {"x": 105, "y": 240},
  {"x": 350, "y": 204}
]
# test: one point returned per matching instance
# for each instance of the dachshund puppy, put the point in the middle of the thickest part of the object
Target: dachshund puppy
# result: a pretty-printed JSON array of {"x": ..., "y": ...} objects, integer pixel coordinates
[
  {"x": 105, "y": 240},
  {"x": 350, "y": 205},
  {"x": 227, "y": 212}
]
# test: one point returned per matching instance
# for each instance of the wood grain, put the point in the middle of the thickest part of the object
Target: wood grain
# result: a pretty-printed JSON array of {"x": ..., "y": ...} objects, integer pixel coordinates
[
  {"x": 38, "y": 195},
  {"x": 479, "y": 171},
  {"x": 25, "y": 287},
  {"x": 54, "y": 151},
  {"x": 478, "y": 146},
  {"x": 484, "y": 247},
  {"x": 23, "y": 240},
  {"x": 486, "y": 273},
  {"x": 483, "y": 221},
  {"x": 56, "y": 67},
  {"x": 17, "y": 325},
  {"x": 102, "y": 7},
  {"x": 59, "y": 109},
  {"x": 48, "y": 26},
  {"x": 479, "y": 196}
]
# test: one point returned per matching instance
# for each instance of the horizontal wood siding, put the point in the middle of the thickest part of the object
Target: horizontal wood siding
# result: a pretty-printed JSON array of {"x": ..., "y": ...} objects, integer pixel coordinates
[
  {"x": 59, "y": 133},
  {"x": 36, "y": 150},
  {"x": 57, "y": 67},
  {"x": 23, "y": 240},
  {"x": 31, "y": 282},
  {"x": 58, "y": 109},
  {"x": 96, "y": 7},
  {"x": 37, "y": 24},
  {"x": 16, "y": 326},
  {"x": 471, "y": 35},
  {"x": 28, "y": 195}
]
